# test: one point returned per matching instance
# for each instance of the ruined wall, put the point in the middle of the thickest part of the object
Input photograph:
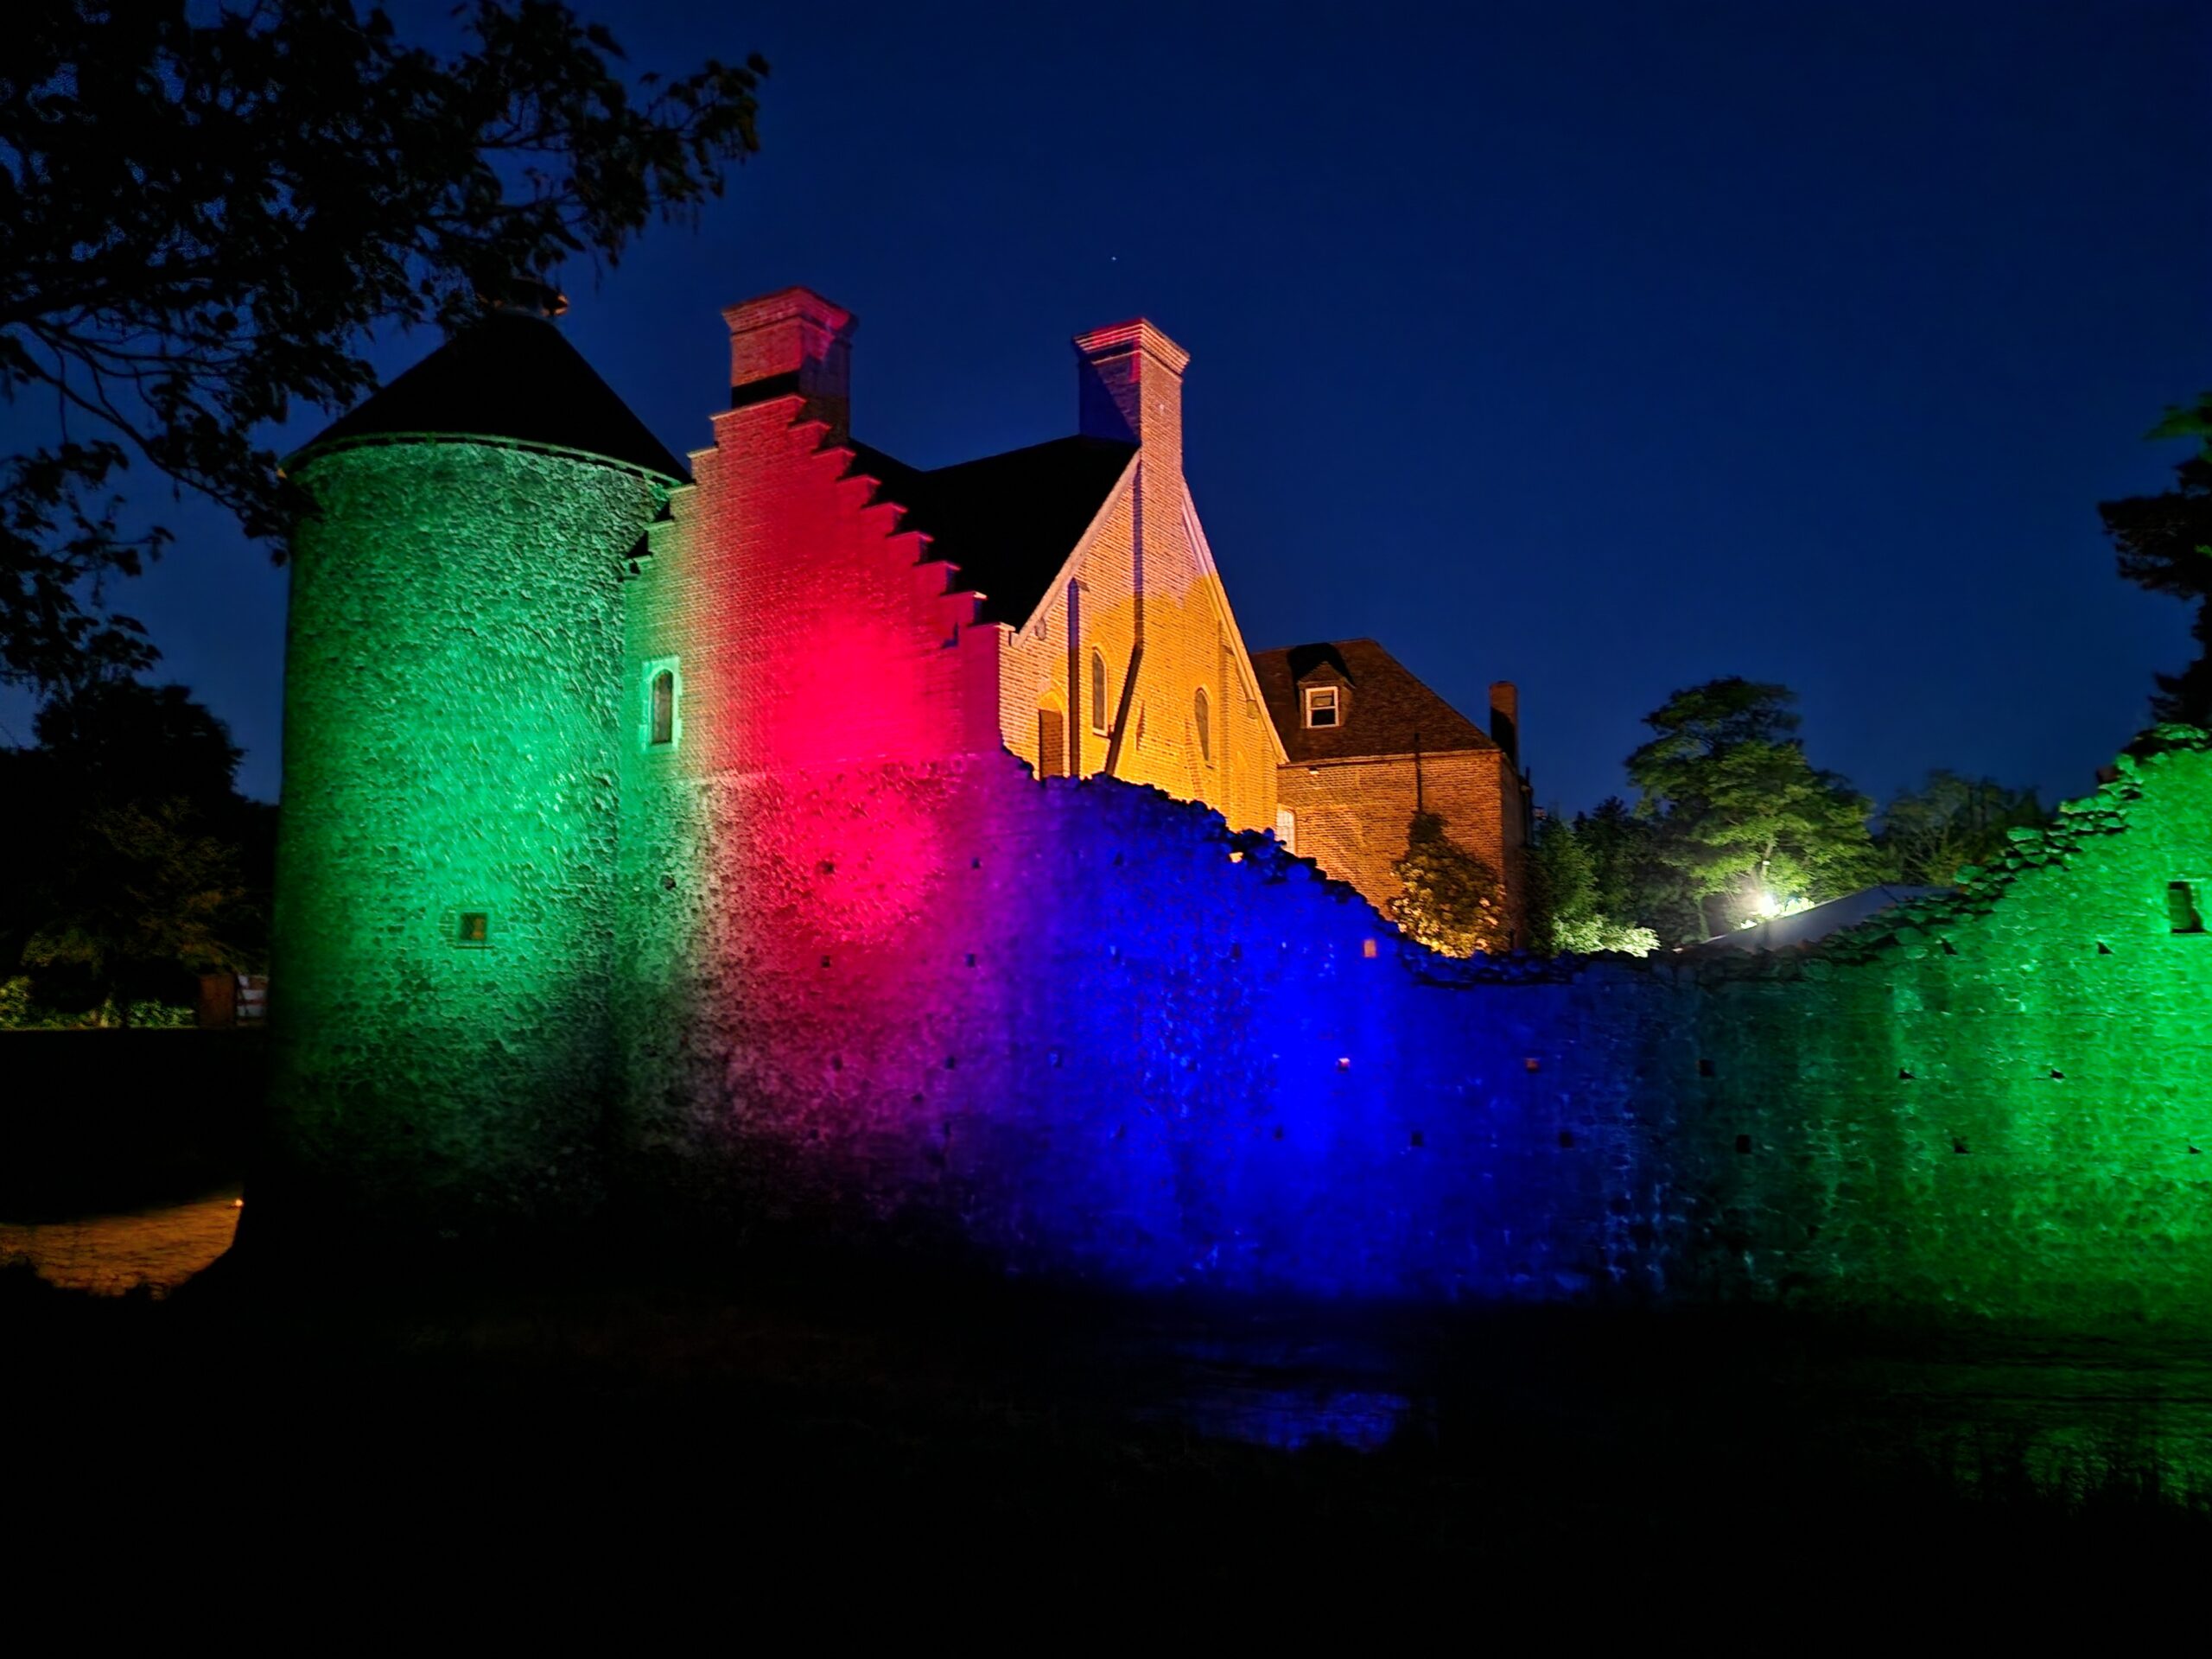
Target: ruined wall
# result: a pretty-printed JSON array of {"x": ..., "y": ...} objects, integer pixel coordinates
[
  {"x": 453, "y": 690},
  {"x": 1111, "y": 1039},
  {"x": 1107, "y": 1038},
  {"x": 2000, "y": 1104}
]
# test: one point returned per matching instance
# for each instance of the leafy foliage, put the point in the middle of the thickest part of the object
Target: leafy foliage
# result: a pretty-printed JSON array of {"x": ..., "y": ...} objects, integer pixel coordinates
[
  {"x": 1630, "y": 881},
  {"x": 1740, "y": 811},
  {"x": 1564, "y": 913},
  {"x": 1951, "y": 821},
  {"x": 203, "y": 215},
  {"x": 141, "y": 864},
  {"x": 2165, "y": 544},
  {"x": 1449, "y": 899}
]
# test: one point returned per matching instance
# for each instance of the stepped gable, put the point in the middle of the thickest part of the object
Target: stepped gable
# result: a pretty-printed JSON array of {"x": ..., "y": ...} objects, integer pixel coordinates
[
  {"x": 1007, "y": 521},
  {"x": 1389, "y": 709},
  {"x": 510, "y": 377}
]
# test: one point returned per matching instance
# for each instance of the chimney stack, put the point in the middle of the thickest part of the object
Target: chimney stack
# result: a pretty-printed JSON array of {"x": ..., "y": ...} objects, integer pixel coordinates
[
  {"x": 1129, "y": 385},
  {"x": 1505, "y": 720},
  {"x": 794, "y": 343}
]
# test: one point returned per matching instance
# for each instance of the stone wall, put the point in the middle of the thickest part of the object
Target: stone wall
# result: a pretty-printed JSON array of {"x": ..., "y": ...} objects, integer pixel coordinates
[
  {"x": 1099, "y": 1035},
  {"x": 833, "y": 958},
  {"x": 454, "y": 689}
]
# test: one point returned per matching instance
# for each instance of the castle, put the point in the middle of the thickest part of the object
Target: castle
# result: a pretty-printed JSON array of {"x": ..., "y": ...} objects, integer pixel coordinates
[{"x": 798, "y": 838}]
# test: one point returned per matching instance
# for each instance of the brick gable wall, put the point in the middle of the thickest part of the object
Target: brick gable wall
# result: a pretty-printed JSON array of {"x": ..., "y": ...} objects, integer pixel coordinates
[
  {"x": 1352, "y": 818},
  {"x": 1190, "y": 643}
]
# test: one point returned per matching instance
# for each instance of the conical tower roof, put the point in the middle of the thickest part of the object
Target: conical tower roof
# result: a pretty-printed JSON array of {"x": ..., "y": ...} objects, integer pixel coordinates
[{"x": 509, "y": 377}]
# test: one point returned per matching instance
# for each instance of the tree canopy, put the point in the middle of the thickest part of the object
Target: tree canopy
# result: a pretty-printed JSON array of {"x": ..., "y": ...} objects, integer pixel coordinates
[
  {"x": 204, "y": 213},
  {"x": 1566, "y": 914},
  {"x": 2165, "y": 544},
  {"x": 1951, "y": 821},
  {"x": 1740, "y": 812},
  {"x": 138, "y": 864}
]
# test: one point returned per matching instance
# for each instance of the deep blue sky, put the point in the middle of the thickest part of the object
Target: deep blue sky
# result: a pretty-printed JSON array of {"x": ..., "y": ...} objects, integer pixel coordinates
[{"x": 1604, "y": 349}]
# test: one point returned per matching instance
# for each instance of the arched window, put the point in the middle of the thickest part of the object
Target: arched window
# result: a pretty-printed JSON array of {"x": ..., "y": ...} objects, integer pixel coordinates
[
  {"x": 1202, "y": 716},
  {"x": 1098, "y": 691},
  {"x": 663, "y": 729}
]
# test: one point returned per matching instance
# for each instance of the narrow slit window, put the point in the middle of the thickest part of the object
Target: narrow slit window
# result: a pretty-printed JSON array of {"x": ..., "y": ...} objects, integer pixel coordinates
[
  {"x": 1202, "y": 717},
  {"x": 1098, "y": 692},
  {"x": 663, "y": 718},
  {"x": 2185, "y": 907},
  {"x": 1323, "y": 705}
]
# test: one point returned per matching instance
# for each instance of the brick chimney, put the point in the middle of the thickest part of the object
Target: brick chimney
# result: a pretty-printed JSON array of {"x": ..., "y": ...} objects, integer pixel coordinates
[
  {"x": 1505, "y": 720},
  {"x": 1129, "y": 385},
  {"x": 794, "y": 343}
]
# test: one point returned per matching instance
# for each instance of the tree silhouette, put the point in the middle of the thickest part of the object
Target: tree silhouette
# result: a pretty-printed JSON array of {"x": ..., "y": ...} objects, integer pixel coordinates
[
  {"x": 204, "y": 214},
  {"x": 2165, "y": 544}
]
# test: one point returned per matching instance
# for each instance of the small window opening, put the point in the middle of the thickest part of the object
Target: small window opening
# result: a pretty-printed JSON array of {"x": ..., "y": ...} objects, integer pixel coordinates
[
  {"x": 474, "y": 928},
  {"x": 664, "y": 710},
  {"x": 1203, "y": 718},
  {"x": 2183, "y": 913},
  {"x": 1322, "y": 705},
  {"x": 1705, "y": 1068},
  {"x": 1098, "y": 692},
  {"x": 1743, "y": 1143}
]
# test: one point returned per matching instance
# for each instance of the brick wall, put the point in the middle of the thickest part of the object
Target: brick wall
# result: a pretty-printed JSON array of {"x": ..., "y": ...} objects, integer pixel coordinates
[
  {"x": 1143, "y": 573},
  {"x": 1352, "y": 816},
  {"x": 1190, "y": 643}
]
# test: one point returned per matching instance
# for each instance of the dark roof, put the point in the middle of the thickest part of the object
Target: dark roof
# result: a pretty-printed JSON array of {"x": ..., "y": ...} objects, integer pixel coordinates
[
  {"x": 513, "y": 376},
  {"x": 1010, "y": 521},
  {"x": 1807, "y": 926},
  {"x": 1388, "y": 711}
]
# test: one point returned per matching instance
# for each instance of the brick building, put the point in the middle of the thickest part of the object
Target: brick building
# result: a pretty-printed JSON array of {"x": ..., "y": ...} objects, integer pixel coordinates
[
  {"x": 1367, "y": 744},
  {"x": 1089, "y": 624}
]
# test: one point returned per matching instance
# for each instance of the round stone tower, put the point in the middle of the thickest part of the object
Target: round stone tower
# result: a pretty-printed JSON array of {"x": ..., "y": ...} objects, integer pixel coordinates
[{"x": 454, "y": 700}]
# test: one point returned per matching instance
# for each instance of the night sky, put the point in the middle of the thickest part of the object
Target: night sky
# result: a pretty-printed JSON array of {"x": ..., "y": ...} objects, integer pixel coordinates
[{"x": 1604, "y": 348}]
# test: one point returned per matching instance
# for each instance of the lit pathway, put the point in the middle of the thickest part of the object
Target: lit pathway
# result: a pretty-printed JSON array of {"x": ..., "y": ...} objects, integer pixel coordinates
[{"x": 112, "y": 1254}]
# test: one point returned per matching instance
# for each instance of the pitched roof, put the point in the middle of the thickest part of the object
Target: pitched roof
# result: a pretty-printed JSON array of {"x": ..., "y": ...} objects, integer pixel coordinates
[
  {"x": 1388, "y": 711},
  {"x": 511, "y": 376},
  {"x": 1812, "y": 924},
  {"x": 1008, "y": 521}
]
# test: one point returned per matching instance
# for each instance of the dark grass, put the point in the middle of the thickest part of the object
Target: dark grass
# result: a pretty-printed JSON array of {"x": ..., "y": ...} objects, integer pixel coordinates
[{"x": 824, "y": 1433}]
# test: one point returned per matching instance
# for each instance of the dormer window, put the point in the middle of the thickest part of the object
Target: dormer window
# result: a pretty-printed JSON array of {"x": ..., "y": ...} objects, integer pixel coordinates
[{"x": 1324, "y": 706}]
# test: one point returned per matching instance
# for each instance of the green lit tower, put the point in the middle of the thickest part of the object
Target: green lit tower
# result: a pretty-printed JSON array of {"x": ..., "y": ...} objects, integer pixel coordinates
[{"x": 454, "y": 690}]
